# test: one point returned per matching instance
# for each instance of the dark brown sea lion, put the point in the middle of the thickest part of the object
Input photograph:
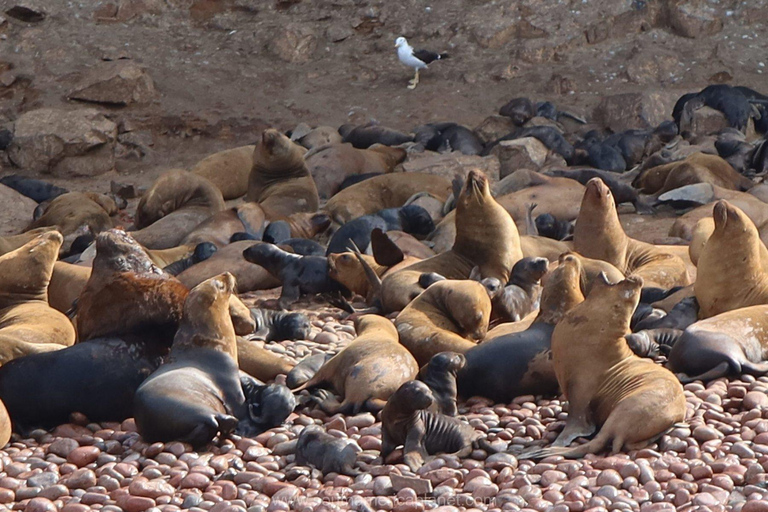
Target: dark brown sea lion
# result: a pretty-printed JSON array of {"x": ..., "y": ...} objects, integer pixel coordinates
[
  {"x": 406, "y": 421},
  {"x": 520, "y": 297},
  {"x": 598, "y": 234},
  {"x": 366, "y": 135},
  {"x": 696, "y": 168},
  {"x": 28, "y": 325},
  {"x": 731, "y": 343},
  {"x": 486, "y": 237},
  {"x": 520, "y": 363},
  {"x": 731, "y": 272},
  {"x": 387, "y": 191},
  {"x": 228, "y": 170},
  {"x": 368, "y": 370},
  {"x": 331, "y": 165},
  {"x": 449, "y": 316},
  {"x": 631, "y": 401},
  {"x": 197, "y": 393},
  {"x": 440, "y": 375},
  {"x": 280, "y": 181},
  {"x": 325, "y": 452},
  {"x": 175, "y": 204}
]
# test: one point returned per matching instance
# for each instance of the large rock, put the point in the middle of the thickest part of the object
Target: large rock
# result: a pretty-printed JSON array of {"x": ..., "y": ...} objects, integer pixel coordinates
[
  {"x": 64, "y": 143},
  {"x": 632, "y": 110},
  {"x": 694, "y": 20},
  {"x": 451, "y": 164},
  {"x": 118, "y": 83},
  {"x": 493, "y": 128},
  {"x": 526, "y": 153},
  {"x": 16, "y": 212},
  {"x": 294, "y": 43},
  {"x": 709, "y": 121}
]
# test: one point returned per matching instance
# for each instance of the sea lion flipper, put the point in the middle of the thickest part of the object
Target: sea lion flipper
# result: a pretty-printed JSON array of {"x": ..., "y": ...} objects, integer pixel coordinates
[
  {"x": 370, "y": 274},
  {"x": 385, "y": 251},
  {"x": 530, "y": 223}
]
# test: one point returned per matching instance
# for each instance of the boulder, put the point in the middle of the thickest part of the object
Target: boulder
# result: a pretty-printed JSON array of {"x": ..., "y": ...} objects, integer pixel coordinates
[
  {"x": 632, "y": 110},
  {"x": 120, "y": 82},
  {"x": 493, "y": 128},
  {"x": 294, "y": 43},
  {"x": 451, "y": 164},
  {"x": 64, "y": 143},
  {"x": 16, "y": 213},
  {"x": 526, "y": 153},
  {"x": 694, "y": 20}
]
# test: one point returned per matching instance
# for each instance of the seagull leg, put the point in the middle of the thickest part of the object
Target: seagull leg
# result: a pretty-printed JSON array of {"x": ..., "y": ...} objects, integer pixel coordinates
[{"x": 413, "y": 83}]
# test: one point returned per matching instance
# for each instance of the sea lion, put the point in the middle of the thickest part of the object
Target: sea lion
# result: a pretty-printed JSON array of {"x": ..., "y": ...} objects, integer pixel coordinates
[
  {"x": 331, "y": 165},
  {"x": 631, "y": 400},
  {"x": 279, "y": 326},
  {"x": 230, "y": 258},
  {"x": 367, "y": 135},
  {"x": 598, "y": 234},
  {"x": 299, "y": 275},
  {"x": 696, "y": 168},
  {"x": 406, "y": 421},
  {"x": 550, "y": 136},
  {"x": 445, "y": 317},
  {"x": 411, "y": 219},
  {"x": 368, "y": 370},
  {"x": 73, "y": 212},
  {"x": 279, "y": 180},
  {"x": 202, "y": 252},
  {"x": 385, "y": 191},
  {"x": 13, "y": 242},
  {"x": 622, "y": 190},
  {"x": 228, "y": 170},
  {"x": 349, "y": 271},
  {"x": 444, "y": 137},
  {"x": 729, "y": 100},
  {"x": 305, "y": 369},
  {"x": 730, "y": 265},
  {"x": 317, "y": 137},
  {"x": 28, "y": 325},
  {"x": 198, "y": 393},
  {"x": 440, "y": 375},
  {"x": 67, "y": 282},
  {"x": 520, "y": 110},
  {"x": 508, "y": 365},
  {"x": 37, "y": 190},
  {"x": 521, "y": 295},
  {"x": 219, "y": 227},
  {"x": 5, "y": 426},
  {"x": 325, "y": 452},
  {"x": 259, "y": 362},
  {"x": 173, "y": 206},
  {"x": 730, "y": 343},
  {"x": 486, "y": 237},
  {"x": 683, "y": 314}
]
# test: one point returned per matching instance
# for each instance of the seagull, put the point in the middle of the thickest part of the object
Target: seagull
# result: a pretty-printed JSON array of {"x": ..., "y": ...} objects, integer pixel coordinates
[{"x": 417, "y": 59}]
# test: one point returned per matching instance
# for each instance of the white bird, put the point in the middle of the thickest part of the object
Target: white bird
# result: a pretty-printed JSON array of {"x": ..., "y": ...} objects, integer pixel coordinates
[{"x": 417, "y": 59}]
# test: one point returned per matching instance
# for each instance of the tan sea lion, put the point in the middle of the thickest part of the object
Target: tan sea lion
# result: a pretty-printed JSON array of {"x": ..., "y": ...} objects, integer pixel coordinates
[
  {"x": 228, "y": 170},
  {"x": 67, "y": 282},
  {"x": 332, "y": 164},
  {"x": 318, "y": 137},
  {"x": 368, "y": 370},
  {"x": 28, "y": 324},
  {"x": 175, "y": 204},
  {"x": 730, "y": 265},
  {"x": 559, "y": 197},
  {"x": 631, "y": 400},
  {"x": 598, "y": 234},
  {"x": 449, "y": 316},
  {"x": 13, "y": 242},
  {"x": 259, "y": 362},
  {"x": 696, "y": 168},
  {"x": 486, "y": 237},
  {"x": 279, "y": 180},
  {"x": 5, "y": 426},
  {"x": 388, "y": 191},
  {"x": 219, "y": 227}
]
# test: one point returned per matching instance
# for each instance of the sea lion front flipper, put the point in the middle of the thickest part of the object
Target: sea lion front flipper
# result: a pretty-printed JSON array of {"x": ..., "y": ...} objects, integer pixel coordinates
[
  {"x": 385, "y": 251},
  {"x": 530, "y": 223},
  {"x": 721, "y": 370},
  {"x": 290, "y": 294},
  {"x": 413, "y": 450}
]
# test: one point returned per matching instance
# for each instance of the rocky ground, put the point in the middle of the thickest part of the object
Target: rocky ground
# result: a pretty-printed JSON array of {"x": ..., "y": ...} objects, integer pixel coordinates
[{"x": 135, "y": 87}]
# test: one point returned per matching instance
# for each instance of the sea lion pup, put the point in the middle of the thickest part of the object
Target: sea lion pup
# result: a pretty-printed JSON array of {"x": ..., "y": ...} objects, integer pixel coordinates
[
  {"x": 386, "y": 191},
  {"x": 365, "y": 136},
  {"x": 325, "y": 452},
  {"x": 730, "y": 267},
  {"x": 731, "y": 343},
  {"x": 28, "y": 325},
  {"x": 521, "y": 295},
  {"x": 197, "y": 393},
  {"x": 331, "y": 165},
  {"x": 175, "y": 204},
  {"x": 73, "y": 212},
  {"x": 631, "y": 400},
  {"x": 219, "y": 227},
  {"x": 449, "y": 316},
  {"x": 122, "y": 267},
  {"x": 406, "y": 421},
  {"x": 598, "y": 234},
  {"x": 520, "y": 363},
  {"x": 228, "y": 170},
  {"x": 683, "y": 314},
  {"x": 440, "y": 375},
  {"x": 279, "y": 326},
  {"x": 37, "y": 190},
  {"x": 202, "y": 252},
  {"x": 299, "y": 275},
  {"x": 696, "y": 168},
  {"x": 279, "y": 179},
  {"x": 368, "y": 370},
  {"x": 486, "y": 237}
]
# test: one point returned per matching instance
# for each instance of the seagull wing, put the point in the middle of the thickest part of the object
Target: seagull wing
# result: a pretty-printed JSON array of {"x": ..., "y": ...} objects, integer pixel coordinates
[{"x": 426, "y": 56}]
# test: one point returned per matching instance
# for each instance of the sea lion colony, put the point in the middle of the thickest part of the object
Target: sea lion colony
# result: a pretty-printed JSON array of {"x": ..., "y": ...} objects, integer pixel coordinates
[{"x": 446, "y": 321}]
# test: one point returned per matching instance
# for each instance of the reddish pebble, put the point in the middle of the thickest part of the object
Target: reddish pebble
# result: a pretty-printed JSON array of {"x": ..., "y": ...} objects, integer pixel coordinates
[
  {"x": 80, "y": 479},
  {"x": 75, "y": 507},
  {"x": 83, "y": 456},
  {"x": 755, "y": 505},
  {"x": 195, "y": 481},
  {"x": 40, "y": 505},
  {"x": 134, "y": 503}
]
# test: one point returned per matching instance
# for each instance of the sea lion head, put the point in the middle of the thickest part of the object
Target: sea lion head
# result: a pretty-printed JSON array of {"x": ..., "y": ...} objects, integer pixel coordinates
[
  {"x": 416, "y": 220},
  {"x": 620, "y": 299},
  {"x": 730, "y": 220},
  {"x": 597, "y": 194},
  {"x": 344, "y": 268},
  {"x": 117, "y": 251},
  {"x": 276, "y": 152},
  {"x": 562, "y": 289},
  {"x": 476, "y": 189},
  {"x": 493, "y": 286},
  {"x": 292, "y": 326},
  {"x": 242, "y": 320},
  {"x": 447, "y": 362},
  {"x": 529, "y": 271},
  {"x": 414, "y": 395},
  {"x": 467, "y": 303},
  {"x": 26, "y": 271}
]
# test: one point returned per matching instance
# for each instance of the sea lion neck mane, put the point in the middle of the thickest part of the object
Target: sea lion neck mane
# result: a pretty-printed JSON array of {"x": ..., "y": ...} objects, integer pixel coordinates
[{"x": 284, "y": 161}]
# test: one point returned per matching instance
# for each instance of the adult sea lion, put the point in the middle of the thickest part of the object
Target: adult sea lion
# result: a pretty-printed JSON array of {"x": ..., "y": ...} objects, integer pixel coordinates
[
  {"x": 5, "y": 425},
  {"x": 13, "y": 242},
  {"x": 279, "y": 180},
  {"x": 696, "y": 168},
  {"x": 219, "y": 227},
  {"x": 67, "y": 282},
  {"x": 598, "y": 234},
  {"x": 486, "y": 237},
  {"x": 445, "y": 317},
  {"x": 411, "y": 219},
  {"x": 228, "y": 170},
  {"x": 631, "y": 400},
  {"x": 28, "y": 325},
  {"x": 730, "y": 265},
  {"x": 368, "y": 370}
]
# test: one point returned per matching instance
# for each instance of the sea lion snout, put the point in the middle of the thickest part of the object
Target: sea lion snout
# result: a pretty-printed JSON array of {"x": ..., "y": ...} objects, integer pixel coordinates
[{"x": 720, "y": 214}]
